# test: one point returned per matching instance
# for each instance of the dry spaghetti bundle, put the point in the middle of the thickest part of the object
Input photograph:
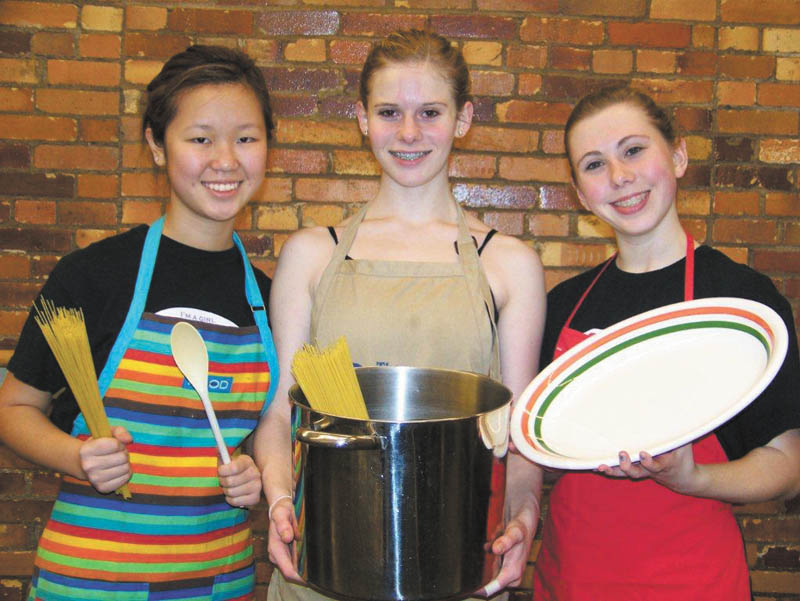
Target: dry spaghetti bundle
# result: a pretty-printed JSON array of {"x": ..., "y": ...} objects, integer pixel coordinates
[
  {"x": 328, "y": 380},
  {"x": 65, "y": 332}
]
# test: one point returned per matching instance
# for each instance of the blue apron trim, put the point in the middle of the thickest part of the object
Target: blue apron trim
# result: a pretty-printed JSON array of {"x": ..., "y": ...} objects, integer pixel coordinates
[{"x": 136, "y": 309}]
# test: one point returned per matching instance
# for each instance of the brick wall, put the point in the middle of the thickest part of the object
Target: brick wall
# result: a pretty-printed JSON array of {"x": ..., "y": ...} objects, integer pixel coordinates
[{"x": 72, "y": 168}]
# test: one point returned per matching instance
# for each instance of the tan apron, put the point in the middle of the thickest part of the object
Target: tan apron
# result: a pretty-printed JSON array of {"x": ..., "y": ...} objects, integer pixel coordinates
[{"x": 420, "y": 314}]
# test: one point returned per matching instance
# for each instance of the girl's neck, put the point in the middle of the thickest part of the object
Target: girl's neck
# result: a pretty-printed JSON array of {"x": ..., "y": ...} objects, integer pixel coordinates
[
  {"x": 433, "y": 201},
  {"x": 640, "y": 254},
  {"x": 196, "y": 232}
]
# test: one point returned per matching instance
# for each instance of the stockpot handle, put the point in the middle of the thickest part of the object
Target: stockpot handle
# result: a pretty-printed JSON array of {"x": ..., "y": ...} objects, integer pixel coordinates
[{"x": 332, "y": 440}]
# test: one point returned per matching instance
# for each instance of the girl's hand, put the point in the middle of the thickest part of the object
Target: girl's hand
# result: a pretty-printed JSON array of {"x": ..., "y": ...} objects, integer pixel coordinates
[
  {"x": 282, "y": 533},
  {"x": 240, "y": 481},
  {"x": 676, "y": 469},
  {"x": 105, "y": 461},
  {"x": 515, "y": 546}
]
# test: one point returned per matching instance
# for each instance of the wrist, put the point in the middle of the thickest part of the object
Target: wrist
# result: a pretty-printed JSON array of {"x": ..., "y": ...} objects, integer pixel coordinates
[{"x": 284, "y": 497}]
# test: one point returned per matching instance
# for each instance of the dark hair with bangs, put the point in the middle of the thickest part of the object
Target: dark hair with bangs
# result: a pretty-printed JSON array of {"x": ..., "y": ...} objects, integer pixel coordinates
[{"x": 196, "y": 66}]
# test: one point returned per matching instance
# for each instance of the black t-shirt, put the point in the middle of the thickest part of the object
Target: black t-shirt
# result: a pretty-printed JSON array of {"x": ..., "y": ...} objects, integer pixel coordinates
[
  {"x": 100, "y": 279},
  {"x": 618, "y": 295}
]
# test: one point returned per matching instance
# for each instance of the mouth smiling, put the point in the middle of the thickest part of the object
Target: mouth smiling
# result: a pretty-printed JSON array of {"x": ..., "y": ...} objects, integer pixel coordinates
[
  {"x": 631, "y": 201},
  {"x": 409, "y": 156},
  {"x": 222, "y": 186}
]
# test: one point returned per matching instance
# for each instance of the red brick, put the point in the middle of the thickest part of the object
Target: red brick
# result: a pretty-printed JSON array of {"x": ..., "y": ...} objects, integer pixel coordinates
[
  {"x": 48, "y": 43},
  {"x": 262, "y": 51},
  {"x": 35, "y": 240},
  {"x": 423, "y": 4},
  {"x": 39, "y": 14},
  {"x": 301, "y": 78},
  {"x": 304, "y": 131},
  {"x": 656, "y": 61},
  {"x": 372, "y": 24},
  {"x": 697, "y": 10},
  {"x": 35, "y": 127},
  {"x": 779, "y": 94},
  {"x": 558, "y": 198},
  {"x": 18, "y": 70},
  {"x": 138, "y": 211},
  {"x": 349, "y": 52},
  {"x": 553, "y": 142},
  {"x": 572, "y": 59},
  {"x": 693, "y": 119},
  {"x": 741, "y": 93},
  {"x": 496, "y": 197},
  {"x": 745, "y": 231},
  {"x": 743, "y": 66},
  {"x": 757, "y": 121},
  {"x": 100, "y": 45},
  {"x": 670, "y": 91},
  {"x": 155, "y": 45},
  {"x": 472, "y": 166},
  {"x": 697, "y": 64},
  {"x": 505, "y": 222},
  {"x": 79, "y": 102},
  {"x": 35, "y": 211},
  {"x": 99, "y": 130},
  {"x": 526, "y": 57},
  {"x": 474, "y": 26},
  {"x": 91, "y": 185},
  {"x": 197, "y": 20},
  {"x": 530, "y": 84},
  {"x": 562, "y": 31},
  {"x": 87, "y": 213},
  {"x": 37, "y": 184},
  {"x": 284, "y": 160},
  {"x": 298, "y": 22},
  {"x": 782, "y": 204},
  {"x": 355, "y": 162},
  {"x": 764, "y": 11},
  {"x": 612, "y": 61},
  {"x": 15, "y": 42},
  {"x": 145, "y": 17},
  {"x": 658, "y": 35},
  {"x": 76, "y": 157},
  {"x": 14, "y": 156},
  {"x": 736, "y": 203},
  {"x": 136, "y": 156},
  {"x": 145, "y": 184},
  {"x": 546, "y": 225},
  {"x": 493, "y": 83},
  {"x": 780, "y": 261},
  {"x": 605, "y": 8},
  {"x": 14, "y": 267},
  {"x": 274, "y": 189},
  {"x": 92, "y": 73},
  {"x": 16, "y": 99},
  {"x": 303, "y": 105},
  {"x": 704, "y": 36},
  {"x": 534, "y": 169},
  {"x": 522, "y": 111},
  {"x": 335, "y": 190}
]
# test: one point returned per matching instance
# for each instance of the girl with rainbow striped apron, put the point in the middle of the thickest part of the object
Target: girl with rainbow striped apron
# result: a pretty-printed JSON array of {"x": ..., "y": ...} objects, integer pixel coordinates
[{"x": 184, "y": 532}]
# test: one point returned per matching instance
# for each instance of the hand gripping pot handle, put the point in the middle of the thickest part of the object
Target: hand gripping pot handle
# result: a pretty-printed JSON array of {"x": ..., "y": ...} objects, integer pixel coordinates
[{"x": 333, "y": 440}]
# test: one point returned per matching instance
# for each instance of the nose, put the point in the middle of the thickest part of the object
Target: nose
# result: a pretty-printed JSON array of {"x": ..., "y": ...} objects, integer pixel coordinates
[
  {"x": 224, "y": 157},
  {"x": 619, "y": 173},
  {"x": 409, "y": 130}
]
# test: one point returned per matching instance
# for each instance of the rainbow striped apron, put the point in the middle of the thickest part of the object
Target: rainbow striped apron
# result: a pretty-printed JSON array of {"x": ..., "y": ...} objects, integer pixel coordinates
[{"x": 176, "y": 538}]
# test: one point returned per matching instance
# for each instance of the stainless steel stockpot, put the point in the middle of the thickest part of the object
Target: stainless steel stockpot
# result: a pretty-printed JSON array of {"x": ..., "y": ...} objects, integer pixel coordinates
[{"x": 402, "y": 506}]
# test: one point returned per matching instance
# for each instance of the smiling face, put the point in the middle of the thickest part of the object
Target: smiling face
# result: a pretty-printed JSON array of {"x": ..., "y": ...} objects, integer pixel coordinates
[
  {"x": 411, "y": 120},
  {"x": 625, "y": 171},
  {"x": 215, "y": 152}
]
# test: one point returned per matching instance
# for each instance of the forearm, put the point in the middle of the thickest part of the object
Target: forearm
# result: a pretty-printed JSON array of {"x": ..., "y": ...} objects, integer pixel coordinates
[
  {"x": 30, "y": 434},
  {"x": 523, "y": 486},
  {"x": 272, "y": 453},
  {"x": 766, "y": 473}
]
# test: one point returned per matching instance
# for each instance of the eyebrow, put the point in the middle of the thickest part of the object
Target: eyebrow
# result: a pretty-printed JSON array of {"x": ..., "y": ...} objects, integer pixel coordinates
[
  {"x": 621, "y": 142},
  {"x": 435, "y": 103}
]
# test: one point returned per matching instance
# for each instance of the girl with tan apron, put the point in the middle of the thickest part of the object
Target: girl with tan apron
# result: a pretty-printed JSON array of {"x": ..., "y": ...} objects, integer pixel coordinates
[{"x": 422, "y": 314}]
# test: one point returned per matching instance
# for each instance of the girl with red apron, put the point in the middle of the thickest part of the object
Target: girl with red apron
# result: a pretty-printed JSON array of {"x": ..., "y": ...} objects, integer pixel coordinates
[{"x": 610, "y": 539}]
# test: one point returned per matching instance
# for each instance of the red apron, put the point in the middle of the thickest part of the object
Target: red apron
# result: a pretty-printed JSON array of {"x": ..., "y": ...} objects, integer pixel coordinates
[{"x": 612, "y": 539}]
